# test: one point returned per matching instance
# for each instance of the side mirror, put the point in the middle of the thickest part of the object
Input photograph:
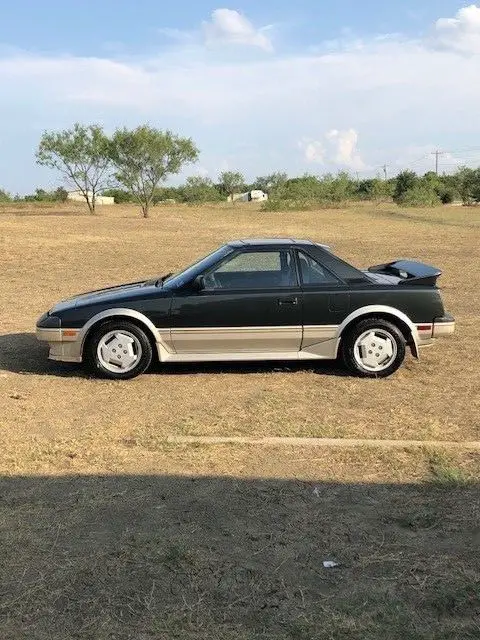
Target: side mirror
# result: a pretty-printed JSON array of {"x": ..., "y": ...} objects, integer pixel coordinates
[{"x": 199, "y": 283}]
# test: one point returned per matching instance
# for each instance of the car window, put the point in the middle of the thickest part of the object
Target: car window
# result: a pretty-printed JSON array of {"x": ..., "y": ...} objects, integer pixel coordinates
[
  {"x": 254, "y": 270},
  {"x": 253, "y": 261},
  {"x": 197, "y": 267},
  {"x": 312, "y": 271}
]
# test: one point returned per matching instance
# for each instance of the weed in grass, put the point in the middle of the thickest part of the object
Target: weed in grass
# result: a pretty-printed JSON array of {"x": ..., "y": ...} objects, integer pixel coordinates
[
  {"x": 418, "y": 520},
  {"x": 461, "y": 597},
  {"x": 443, "y": 472},
  {"x": 176, "y": 557}
]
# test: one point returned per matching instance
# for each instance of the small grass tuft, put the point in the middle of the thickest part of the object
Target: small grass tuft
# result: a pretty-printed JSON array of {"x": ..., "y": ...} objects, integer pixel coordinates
[
  {"x": 177, "y": 557},
  {"x": 460, "y": 598},
  {"x": 418, "y": 520},
  {"x": 443, "y": 472}
]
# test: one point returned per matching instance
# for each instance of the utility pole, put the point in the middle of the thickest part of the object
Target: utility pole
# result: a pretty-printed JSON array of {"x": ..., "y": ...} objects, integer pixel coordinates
[
  {"x": 437, "y": 154},
  {"x": 385, "y": 167}
]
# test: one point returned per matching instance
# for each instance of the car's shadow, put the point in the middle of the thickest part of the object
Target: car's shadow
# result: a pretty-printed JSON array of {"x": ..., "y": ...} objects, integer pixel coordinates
[{"x": 23, "y": 353}]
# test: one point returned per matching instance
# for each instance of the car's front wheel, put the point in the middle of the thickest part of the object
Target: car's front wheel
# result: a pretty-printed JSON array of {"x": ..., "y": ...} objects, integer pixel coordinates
[
  {"x": 373, "y": 348},
  {"x": 119, "y": 350}
]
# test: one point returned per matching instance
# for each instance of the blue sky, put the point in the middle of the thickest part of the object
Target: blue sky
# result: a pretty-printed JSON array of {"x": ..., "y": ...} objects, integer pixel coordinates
[
  {"x": 311, "y": 86},
  {"x": 91, "y": 27}
]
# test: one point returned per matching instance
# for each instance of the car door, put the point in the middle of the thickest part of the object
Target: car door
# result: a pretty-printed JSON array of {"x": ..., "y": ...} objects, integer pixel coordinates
[
  {"x": 250, "y": 303},
  {"x": 326, "y": 302}
]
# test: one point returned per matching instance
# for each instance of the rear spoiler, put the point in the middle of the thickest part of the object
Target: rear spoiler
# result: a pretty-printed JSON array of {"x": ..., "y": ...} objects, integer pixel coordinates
[{"x": 409, "y": 272}]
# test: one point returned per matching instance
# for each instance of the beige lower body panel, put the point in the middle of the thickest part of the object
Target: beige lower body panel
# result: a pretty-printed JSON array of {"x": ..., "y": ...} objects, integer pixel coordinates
[
  {"x": 244, "y": 356},
  {"x": 251, "y": 343},
  {"x": 231, "y": 340},
  {"x": 320, "y": 341},
  {"x": 217, "y": 344}
]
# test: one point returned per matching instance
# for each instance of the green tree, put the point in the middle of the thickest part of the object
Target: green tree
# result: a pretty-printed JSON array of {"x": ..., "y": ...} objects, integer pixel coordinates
[
  {"x": 302, "y": 188},
  {"x": 443, "y": 187},
  {"x": 374, "y": 189},
  {"x": 450, "y": 188},
  {"x": 199, "y": 189},
  {"x": 145, "y": 157},
  {"x": 41, "y": 195},
  {"x": 308, "y": 190},
  {"x": 231, "y": 182},
  {"x": 337, "y": 189},
  {"x": 406, "y": 180},
  {"x": 60, "y": 194},
  {"x": 420, "y": 195},
  {"x": 167, "y": 195},
  {"x": 5, "y": 196},
  {"x": 270, "y": 184},
  {"x": 468, "y": 181},
  {"x": 120, "y": 196},
  {"x": 413, "y": 191},
  {"x": 81, "y": 154}
]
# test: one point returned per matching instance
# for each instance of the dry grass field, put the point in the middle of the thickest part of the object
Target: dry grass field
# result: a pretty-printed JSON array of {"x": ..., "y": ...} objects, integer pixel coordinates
[{"x": 108, "y": 531}]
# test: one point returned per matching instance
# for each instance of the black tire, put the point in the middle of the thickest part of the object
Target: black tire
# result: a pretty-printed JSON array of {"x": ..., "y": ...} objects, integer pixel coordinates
[
  {"x": 370, "y": 324},
  {"x": 95, "y": 365}
]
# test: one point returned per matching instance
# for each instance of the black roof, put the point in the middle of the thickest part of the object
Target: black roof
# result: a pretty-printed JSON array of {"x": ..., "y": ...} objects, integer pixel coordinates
[{"x": 266, "y": 241}]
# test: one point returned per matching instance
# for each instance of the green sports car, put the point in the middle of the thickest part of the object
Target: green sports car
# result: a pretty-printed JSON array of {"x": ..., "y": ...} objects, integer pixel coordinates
[{"x": 263, "y": 299}]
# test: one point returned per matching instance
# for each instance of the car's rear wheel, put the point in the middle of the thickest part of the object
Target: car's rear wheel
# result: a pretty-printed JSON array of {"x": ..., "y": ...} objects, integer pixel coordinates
[
  {"x": 119, "y": 350},
  {"x": 373, "y": 348}
]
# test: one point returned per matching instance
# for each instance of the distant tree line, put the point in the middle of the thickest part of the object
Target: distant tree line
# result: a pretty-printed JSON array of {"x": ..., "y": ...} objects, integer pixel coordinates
[
  {"x": 132, "y": 166},
  {"x": 406, "y": 189}
]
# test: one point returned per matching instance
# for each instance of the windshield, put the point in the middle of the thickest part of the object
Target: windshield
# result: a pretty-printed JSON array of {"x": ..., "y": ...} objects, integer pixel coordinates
[{"x": 197, "y": 268}]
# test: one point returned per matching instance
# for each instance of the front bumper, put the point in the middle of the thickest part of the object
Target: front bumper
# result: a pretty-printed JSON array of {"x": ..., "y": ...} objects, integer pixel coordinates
[{"x": 65, "y": 344}]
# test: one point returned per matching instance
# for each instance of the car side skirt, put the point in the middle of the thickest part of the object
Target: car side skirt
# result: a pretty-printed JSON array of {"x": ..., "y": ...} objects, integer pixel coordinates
[
  {"x": 235, "y": 339},
  {"x": 250, "y": 343},
  {"x": 247, "y": 356}
]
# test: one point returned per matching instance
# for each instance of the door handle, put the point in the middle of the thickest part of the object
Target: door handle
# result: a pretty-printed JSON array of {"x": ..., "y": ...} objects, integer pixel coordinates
[{"x": 283, "y": 301}]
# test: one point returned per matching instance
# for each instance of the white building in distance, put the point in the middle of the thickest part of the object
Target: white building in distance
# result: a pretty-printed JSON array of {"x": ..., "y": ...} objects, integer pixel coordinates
[
  {"x": 255, "y": 195},
  {"x": 77, "y": 196}
]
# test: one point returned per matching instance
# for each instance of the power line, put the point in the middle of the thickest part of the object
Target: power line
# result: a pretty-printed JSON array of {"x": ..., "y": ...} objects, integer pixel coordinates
[
  {"x": 421, "y": 159},
  {"x": 437, "y": 154},
  {"x": 464, "y": 150}
]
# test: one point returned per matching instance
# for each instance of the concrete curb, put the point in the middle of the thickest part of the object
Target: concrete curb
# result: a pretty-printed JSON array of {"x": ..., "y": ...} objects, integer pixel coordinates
[{"x": 322, "y": 442}]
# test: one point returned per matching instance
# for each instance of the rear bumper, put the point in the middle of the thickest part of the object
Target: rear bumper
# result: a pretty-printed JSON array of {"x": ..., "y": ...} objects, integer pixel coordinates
[
  {"x": 65, "y": 344},
  {"x": 443, "y": 326},
  {"x": 440, "y": 327}
]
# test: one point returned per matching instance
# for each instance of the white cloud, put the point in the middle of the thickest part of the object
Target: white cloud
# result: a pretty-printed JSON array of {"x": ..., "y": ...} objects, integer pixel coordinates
[
  {"x": 345, "y": 145},
  {"x": 461, "y": 33},
  {"x": 231, "y": 27},
  {"x": 272, "y": 103},
  {"x": 339, "y": 149},
  {"x": 313, "y": 150}
]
